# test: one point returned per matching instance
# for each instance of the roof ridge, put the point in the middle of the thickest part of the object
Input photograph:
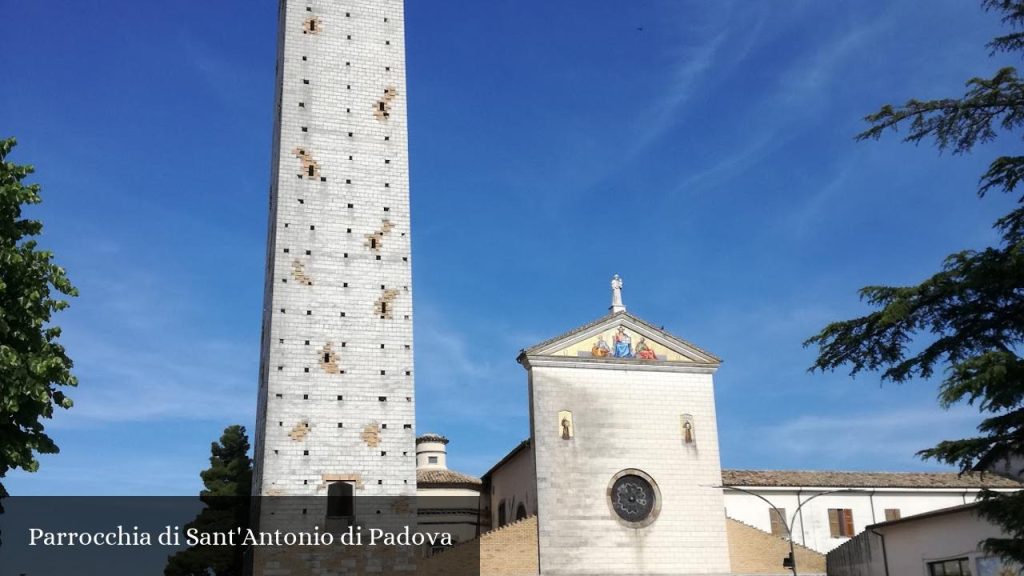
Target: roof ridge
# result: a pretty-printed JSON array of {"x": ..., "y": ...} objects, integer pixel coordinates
[
  {"x": 454, "y": 476},
  {"x": 571, "y": 332},
  {"x": 813, "y": 471},
  {"x": 611, "y": 316},
  {"x": 866, "y": 479}
]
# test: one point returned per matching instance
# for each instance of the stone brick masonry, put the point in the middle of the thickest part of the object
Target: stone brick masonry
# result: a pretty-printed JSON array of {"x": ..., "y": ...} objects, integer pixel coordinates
[
  {"x": 626, "y": 418},
  {"x": 336, "y": 348}
]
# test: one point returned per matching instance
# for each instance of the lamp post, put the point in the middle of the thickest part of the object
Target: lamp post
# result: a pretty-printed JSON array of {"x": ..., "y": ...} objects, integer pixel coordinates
[{"x": 781, "y": 516}]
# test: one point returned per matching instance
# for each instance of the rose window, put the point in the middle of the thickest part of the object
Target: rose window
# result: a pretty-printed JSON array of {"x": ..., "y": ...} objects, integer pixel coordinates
[{"x": 632, "y": 498}]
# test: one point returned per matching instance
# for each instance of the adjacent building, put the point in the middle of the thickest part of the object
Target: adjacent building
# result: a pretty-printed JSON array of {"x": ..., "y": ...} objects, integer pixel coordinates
[
  {"x": 945, "y": 542},
  {"x": 446, "y": 500}
]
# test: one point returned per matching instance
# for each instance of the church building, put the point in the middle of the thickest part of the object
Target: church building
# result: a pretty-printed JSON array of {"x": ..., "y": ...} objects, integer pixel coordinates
[
  {"x": 625, "y": 448},
  {"x": 621, "y": 473}
]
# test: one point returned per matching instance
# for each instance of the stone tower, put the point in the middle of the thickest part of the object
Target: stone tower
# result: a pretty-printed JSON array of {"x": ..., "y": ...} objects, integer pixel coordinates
[{"x": 336, "y": 400}]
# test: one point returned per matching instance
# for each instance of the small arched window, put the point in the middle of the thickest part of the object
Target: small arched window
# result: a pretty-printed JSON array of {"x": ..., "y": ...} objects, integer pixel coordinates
[{"x": 502, "y": 517}]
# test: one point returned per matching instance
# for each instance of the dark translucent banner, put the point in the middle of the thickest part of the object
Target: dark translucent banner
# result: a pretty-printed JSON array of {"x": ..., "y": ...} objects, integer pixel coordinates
[{"x": 271, "y": 536}]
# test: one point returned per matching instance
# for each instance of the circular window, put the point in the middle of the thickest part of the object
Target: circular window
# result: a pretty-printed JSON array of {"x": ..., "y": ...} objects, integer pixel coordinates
[{"x": 634, "y": 498}]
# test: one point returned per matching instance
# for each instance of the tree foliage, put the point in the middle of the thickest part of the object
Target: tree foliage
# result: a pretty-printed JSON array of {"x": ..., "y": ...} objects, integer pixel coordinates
[
  {"x": 227, "y": 487},
  {"x": 967, "y": 320},
  {"x": 33, "y": 365}
]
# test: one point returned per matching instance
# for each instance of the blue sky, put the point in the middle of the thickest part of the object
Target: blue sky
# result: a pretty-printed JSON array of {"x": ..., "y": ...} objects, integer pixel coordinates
[{"x": 701, "y": 150}]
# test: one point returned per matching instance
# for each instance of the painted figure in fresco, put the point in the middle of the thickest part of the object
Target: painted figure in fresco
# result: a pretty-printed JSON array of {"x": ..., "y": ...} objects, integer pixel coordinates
[
  {"x": 600, "y": 348},
  {"x": 566, "y": 432},
  {"x": 644, "y": 351},
  {"x": 623, "y": 344},
  {"x": 687, "y": 433}
]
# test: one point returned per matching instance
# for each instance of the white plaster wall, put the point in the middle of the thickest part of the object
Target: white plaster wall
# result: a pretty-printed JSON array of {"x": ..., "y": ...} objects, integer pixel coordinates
[
  {"x": 1012, "y": 467},
  {"x": 626, "y": 418},
  {"x": 338, "y": 75},
  {"x": 910, "y": 546},
  {"x": 424, "y": 450},
  {"x": 461, "y": 492},
  {"x": 452, "y": 510},
  {"x": 513, "y": 483},
  {"x": 811, "y": 527}
]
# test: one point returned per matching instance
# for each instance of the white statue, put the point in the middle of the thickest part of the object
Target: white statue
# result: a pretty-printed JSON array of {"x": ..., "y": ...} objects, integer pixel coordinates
[{"x": 617, "y": 305}]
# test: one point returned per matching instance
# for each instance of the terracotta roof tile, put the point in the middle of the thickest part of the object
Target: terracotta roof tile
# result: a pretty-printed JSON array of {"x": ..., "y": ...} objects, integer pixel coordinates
[
  {"x": 431, "y": 437},
  {"x": 427, "y": 477},
  {"x": 833, "y": 479}
]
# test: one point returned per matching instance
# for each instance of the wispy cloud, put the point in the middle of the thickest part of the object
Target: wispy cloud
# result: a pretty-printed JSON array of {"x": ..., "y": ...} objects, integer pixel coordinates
[
  {"x": 701, "y": 63},
  {"x": 794, "y": 105},
  {"x": 882, "y": 437},
  {"x": 806, "y": 216},
  {"x": 142, "y": 352},
  {"x": 459, "y": 379},
  {"x": 140, "y": 381},
  {"x": 687, "y": 80}
]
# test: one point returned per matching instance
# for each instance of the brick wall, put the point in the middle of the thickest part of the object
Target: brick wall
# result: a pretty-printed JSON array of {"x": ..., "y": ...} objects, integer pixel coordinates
[
  {"x": 507, "y": 551},
  {"x": 753, "y": 551}
]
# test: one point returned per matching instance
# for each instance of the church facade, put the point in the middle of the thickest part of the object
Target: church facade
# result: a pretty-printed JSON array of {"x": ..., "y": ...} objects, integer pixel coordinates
[
  {"x": 625, "y": 446},
  {"x": 621, "y": 472}
]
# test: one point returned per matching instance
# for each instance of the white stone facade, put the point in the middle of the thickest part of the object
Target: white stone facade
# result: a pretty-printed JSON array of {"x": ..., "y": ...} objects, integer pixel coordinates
[
  {"x": 625, "y": 415},
  {"x": 336, "y": 398}
]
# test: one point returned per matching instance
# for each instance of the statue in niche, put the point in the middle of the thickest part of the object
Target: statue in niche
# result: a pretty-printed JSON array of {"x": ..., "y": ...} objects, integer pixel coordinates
[
  {"x": 565, "y": 425},
  {"x": 644, "y": 350},
  {"x": 623, "y": 344},
  {"x": 689, "y": 435},
  {"x": 600, "y": 348}
]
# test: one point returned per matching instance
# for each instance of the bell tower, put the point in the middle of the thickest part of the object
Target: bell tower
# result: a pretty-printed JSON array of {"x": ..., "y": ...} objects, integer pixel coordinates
[{"x": 336, "y": 400}]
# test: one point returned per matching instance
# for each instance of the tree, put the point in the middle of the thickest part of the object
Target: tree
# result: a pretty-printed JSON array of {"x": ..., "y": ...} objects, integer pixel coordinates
[
  {"x": 33, "y": 365},
  {"x": 227, "y": 487},
  {"x": 967, "y": 320}
]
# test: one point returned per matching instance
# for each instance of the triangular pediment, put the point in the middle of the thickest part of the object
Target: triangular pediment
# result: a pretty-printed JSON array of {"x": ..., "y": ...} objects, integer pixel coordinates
[{"x": 622, "y": 337}]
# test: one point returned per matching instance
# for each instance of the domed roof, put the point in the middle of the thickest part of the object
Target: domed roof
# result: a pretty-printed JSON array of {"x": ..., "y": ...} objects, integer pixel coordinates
[
  {"x": 431, "y": 437},
  {"x": 444, "y": 478}
]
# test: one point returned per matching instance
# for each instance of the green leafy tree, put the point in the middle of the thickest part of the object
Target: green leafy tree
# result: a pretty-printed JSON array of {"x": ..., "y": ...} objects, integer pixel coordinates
[
  {"x": 227, "y": 487},
  {"x": 967, "y": 320},
  {"x": 33, "y": 365}
]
